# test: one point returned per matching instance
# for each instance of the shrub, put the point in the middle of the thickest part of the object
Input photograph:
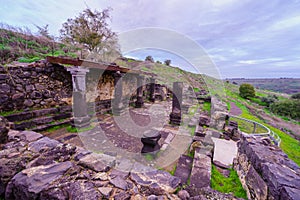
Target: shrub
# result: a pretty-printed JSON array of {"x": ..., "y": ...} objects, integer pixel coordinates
[
  {"x": 296, "y": 96},
  {"x": 269, "y": 99},
  {"x": 288, "y": 108},
  {"x": 149, "y": 58},
  {"x": 247, "y": 91},
  {"x": 167, "y": 62}
]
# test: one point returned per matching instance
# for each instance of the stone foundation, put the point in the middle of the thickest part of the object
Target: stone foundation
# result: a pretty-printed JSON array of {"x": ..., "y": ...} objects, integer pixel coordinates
[{"x": 265, "y": 171}]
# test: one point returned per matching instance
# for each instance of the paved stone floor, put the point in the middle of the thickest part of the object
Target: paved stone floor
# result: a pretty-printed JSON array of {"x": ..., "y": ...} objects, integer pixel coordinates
[{"x": 121, "y": 135}]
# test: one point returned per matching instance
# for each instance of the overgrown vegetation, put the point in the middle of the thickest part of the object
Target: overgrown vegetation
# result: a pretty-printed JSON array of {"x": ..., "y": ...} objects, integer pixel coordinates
[
  {"x": 231, "y": 184},
  {"x": 20, "y": 44},
  {"x": 289, "y": 108}
]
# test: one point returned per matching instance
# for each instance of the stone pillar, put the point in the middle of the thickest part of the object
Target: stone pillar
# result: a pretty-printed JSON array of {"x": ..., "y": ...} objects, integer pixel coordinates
[
  {"x": 175, "y": 116},
  {"x": 117, "y": 105},
  {"x": 139, "y": 92},
  {"x": 152, "y": 90},
  {"x": 80, "y": 116}
]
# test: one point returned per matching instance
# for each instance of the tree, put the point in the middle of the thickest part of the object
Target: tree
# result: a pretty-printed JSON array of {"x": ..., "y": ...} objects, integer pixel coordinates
[
  {"x": 247, "y": 91},
  {"x": 89, "y": 29},
  {"x": 269, "y": 99},
  {"x": 44, "y": 31},
  {"x": 167, "y": 62},
  {"x": 149, "y": 58},
  {"x": 296, "y": 96}
]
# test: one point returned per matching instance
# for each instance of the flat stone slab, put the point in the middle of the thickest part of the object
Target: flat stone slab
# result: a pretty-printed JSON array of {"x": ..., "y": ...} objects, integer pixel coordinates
[
  {"x": 225, "y": 151},
  {"x": 98, "y": 162},
  {"x": 183, "y": 169}
]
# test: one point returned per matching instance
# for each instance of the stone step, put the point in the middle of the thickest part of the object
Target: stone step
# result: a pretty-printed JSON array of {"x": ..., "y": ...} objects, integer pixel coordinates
[
  {"x": 184, "y": 168},
  {"x": 47, "y": 126},
  {"x": 27, "y": 115},
  {"x": 40, "y": 121}
]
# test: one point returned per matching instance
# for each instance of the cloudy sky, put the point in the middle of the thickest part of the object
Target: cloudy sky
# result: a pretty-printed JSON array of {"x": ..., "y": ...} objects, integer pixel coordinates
[{"x": 244, "y": 38}]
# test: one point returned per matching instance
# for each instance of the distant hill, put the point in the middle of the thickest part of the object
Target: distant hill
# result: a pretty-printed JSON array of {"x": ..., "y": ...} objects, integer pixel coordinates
[{"x": 282, "y": 85}]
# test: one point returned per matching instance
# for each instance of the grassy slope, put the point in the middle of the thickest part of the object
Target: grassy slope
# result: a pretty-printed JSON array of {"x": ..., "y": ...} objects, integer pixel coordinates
[
  {"x": 29, "y": 48},
  {"x": 288, "y": 144}
]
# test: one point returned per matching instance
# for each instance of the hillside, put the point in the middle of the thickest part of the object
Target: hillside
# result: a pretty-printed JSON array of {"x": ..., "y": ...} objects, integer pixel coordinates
[
  {"x": 22, "y": 46},
  {"x": 282, "y": 85}
]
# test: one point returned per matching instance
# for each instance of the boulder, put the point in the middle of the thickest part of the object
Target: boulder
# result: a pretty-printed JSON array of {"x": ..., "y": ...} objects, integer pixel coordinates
[
  {"x": 4, "y": 128},
  {"x": 30, "y": 182}
]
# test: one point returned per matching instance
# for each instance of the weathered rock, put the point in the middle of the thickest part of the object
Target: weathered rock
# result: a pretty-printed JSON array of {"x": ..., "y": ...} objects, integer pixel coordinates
[
  {"x": 42, "y": 144},
  {"x": 122, "y": 196},
  {"x": 83, "y": 190},
  {"x": 183, "y": 169},
  {"x": 218, "y": 113},
  {"x": 156, "y": 180},
  {"x": 255, "y": 158},
  {"x": 290, "y": 193},
  {"x": 98, "y": 162},
  {"x": 30, "y": 182},
  {"x": 36, "y": 95},
  {"x": 105, "y": 191},
  {"x": 201, "y": 170},
  {"x": 119, "y": 182},
  {"x": 4, "y": 128},
  {"x": 28, "y": 103},
  {"x": 257, "y": 187},
  {"x": 210, "y": 194},
  {"x": 4, "y": 88},
  {"x": 18, "y": 97},
  {"x": 183, "y": 195},
  {"x": 28, "y": 136}
]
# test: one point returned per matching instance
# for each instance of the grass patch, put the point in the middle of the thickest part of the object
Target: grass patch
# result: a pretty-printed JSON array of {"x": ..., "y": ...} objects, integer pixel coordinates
[
  {"x": 54, "y": 128},
  {"x": 231, "y": 184},
  {"x": 207, "y": 107},
  {"x": 72, "y": 129}
]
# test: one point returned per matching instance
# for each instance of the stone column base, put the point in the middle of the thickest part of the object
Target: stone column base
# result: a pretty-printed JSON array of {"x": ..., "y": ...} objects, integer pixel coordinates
[
  {"x": 175, "y": 118},
  {"x": 80, "y": 122}
]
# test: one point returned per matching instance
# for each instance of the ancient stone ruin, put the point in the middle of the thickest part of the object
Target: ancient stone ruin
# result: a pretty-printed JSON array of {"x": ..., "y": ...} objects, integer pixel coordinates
[{"x": 111, "y": 158}]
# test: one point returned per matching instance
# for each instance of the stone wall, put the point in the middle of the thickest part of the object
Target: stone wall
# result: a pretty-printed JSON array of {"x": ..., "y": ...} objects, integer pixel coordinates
[
  {"x": 265, "y": 171},
  {"x": 33, "y": 86}
]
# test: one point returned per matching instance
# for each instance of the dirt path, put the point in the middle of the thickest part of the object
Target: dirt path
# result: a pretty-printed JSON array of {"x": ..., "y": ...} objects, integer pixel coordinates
[{"x": 234, "y": 110}]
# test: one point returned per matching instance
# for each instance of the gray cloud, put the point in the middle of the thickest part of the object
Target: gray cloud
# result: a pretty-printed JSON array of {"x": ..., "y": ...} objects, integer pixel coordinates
[{"x": 249, "y": 38}]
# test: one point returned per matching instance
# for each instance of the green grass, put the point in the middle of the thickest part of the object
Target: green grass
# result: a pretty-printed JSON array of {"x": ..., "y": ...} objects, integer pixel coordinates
[
  {"x": 196, "y": 89},
  {"x": 6, "y": 113},
  {"x": 207, "y": 107},
  {"x": 231, "y": 184},
  {"x": 72, "y": 129},
  {"x": 54, "y": 128}
]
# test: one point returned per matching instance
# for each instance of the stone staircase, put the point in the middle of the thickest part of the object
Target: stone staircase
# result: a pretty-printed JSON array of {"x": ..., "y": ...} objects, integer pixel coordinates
[{"x": 40, "y": 120}]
